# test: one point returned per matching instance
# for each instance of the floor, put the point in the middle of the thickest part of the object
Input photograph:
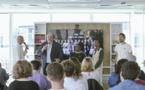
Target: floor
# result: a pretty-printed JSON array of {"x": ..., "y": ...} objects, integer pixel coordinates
[{"x": 105, "y": 86}]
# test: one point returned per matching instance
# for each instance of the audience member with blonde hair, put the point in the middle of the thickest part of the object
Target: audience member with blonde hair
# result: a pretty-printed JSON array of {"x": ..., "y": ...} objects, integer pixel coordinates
[
  {"x": 21, "y": 71},
  {"x": 55, "y": 74},
  {"x": 89, "y": 71},
  {"x": 69, "y": 82}
]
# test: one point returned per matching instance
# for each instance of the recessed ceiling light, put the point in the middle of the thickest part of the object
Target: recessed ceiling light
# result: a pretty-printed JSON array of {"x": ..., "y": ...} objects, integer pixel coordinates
[{"x": 123, "y": 2}]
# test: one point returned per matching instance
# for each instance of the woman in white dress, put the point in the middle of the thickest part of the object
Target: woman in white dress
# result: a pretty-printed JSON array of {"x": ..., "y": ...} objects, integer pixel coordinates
[{"x": 97, "y": 56}]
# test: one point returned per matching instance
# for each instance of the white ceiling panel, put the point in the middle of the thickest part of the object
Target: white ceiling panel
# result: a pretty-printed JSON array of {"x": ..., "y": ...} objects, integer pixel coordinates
[
  {"x": 23, "y": 1},
  {"x": 72, "y": 4}
]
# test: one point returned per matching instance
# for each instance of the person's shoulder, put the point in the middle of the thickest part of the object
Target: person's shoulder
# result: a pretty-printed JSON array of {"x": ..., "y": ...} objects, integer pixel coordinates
[
  {"x": 119, "y": 44},
  {"x": 33, "y": 83},
  {"x": 141, "y": 87},
  {"x": 44, "y": 43},
  {"x": 2, "y": 69},
  {"x": 13, "y": 83},
  {"x": 56, "y": 43},
  {"x": 127, "y": 44},
  {"x": 117, "y": 87}
]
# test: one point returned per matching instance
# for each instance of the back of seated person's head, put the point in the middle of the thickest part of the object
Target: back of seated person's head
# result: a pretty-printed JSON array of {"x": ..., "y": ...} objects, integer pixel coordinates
[
  {"x": 69, "y": 67},
  {"x": 141, "y": 75},
  {"x": 55, "y": 72},
  {"x": 36, "y": 64},
  {"x": 77, "y": 63},
  {"x": 22, "y": 69},
  {"x": 129, "y": 70},
  {"x": 87, "y": 65},
  {"x": 119, "y": 65}
]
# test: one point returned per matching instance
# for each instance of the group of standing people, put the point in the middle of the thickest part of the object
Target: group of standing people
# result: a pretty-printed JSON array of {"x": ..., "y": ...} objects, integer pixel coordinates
[{"x": 51, "y": 51}]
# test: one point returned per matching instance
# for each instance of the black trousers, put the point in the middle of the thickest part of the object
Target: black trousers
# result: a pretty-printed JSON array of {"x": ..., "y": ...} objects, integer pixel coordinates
[
  {"x": 44, "y": 69},
  {"x": 1, "y": 87}
]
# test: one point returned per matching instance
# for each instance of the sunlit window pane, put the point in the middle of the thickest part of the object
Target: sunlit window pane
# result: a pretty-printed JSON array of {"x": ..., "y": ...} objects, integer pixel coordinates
[
  {"x": 23, "y": 24},
  {"x": 111, "y": 17},
  {"x": 4, "y": 41},
  {"x": 71, "y": 17}
]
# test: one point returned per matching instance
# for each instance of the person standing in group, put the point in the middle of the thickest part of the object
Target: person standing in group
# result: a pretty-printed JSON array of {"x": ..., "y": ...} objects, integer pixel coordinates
[
  {"x": 78, "y": 53},
  {"x": 97, "y": 56},
  {"x": 18, "y": 52},
  {"x": 50, "y": 51},
  {"x": 122, "y": 50}
]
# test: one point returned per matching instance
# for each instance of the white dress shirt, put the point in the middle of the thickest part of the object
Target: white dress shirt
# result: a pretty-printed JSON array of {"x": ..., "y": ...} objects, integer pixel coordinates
[
  {"x": 72, "y": 84},
  {"x": 18, "y": 53},
  {"x": 49, "y": 47}
]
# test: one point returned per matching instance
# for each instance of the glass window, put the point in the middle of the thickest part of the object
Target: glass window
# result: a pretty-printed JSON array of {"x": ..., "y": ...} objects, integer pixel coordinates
[
  {"x": 70, "y": 17},
  {"x": 23, "y": 24},
  {"x": 138, "y": 38},
  {"x": 4, "y": 42},
  {"x": 111, "y": 17}
]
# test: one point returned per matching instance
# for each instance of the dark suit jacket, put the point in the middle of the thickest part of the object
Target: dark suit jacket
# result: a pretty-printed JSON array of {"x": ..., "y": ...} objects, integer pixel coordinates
[{"x": 56, "y": 52}]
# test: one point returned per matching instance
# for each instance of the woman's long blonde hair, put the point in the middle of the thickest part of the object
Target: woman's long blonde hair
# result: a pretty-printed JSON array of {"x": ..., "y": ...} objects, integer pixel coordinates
[{"x": 87, "y": 65}]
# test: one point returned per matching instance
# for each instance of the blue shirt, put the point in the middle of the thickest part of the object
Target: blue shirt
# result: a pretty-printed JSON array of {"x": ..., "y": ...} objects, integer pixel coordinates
[
  {"x": 41, "y": 80},
  {"x": 128, "y": 85},
  {"x": 113, "y": 80},
  {"x": 49, "y": 53}
]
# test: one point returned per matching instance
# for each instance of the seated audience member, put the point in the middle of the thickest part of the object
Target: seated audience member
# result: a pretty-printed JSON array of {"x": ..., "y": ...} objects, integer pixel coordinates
[
  {"x": 39, "y": 78},
  {"x": 69, "y": 82},
  {"x": 131, "y": 58},
  {"x": 21, "y": 71},
  {"x": 142, "y": 75},
  {"x": 77, "y": 74},
  {"x": 139, "y": 78},
  {"x": 88, "y": 70},
  {"x": 3, "y": 77},
  {"x": 128, "y": 74},
  {"x": 114, "y": 79},
  {"x": 78, "y": 53},
  {"x": 55, "y": 74}
]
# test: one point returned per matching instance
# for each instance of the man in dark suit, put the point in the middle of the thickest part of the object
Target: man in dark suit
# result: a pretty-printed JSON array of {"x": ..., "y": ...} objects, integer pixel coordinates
[{"x": 50, "y": 51}]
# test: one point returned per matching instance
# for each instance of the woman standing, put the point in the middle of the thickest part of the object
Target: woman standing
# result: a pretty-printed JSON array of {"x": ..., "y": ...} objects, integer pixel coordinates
[{"x": 97, "y": 56}]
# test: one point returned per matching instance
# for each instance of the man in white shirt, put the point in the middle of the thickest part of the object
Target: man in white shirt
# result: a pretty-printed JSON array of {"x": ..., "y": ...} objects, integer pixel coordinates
[
  {"x": 122, "y": 50},
  {"x": 18, "y": 52}
]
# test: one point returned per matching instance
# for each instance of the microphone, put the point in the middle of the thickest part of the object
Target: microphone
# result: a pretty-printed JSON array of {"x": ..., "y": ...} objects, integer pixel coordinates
[{"x": 26, "y": 45}]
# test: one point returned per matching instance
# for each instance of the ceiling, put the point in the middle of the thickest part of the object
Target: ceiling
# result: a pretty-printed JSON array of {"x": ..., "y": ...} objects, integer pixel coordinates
[{"x": 71, "y": 4}]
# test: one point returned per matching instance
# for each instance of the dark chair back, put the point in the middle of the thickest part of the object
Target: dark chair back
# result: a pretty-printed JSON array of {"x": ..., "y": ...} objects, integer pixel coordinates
[{"x": 94, "y": 85}]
